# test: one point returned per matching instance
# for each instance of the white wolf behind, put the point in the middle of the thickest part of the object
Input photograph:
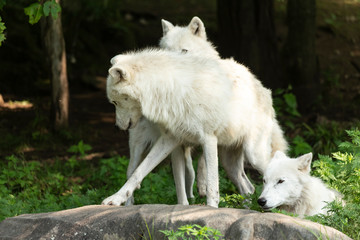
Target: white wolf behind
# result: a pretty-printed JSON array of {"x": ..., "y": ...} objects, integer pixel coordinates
[
  {"x": 289, "y": 186},
  {"x": 192, "y": 39}
]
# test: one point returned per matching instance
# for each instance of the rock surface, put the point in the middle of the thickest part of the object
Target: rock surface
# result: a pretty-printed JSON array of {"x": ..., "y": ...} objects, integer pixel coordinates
[{"x": 136, "y": 222}]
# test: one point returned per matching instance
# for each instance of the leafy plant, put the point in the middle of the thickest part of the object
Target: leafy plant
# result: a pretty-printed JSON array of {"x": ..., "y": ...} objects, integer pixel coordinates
[
  {"x": 194, "y": 231},
  {"x": 37, "y": 10},
  {"x": 2, "y": 29},
  {"x": 342, "y": 172},
  {"x": 238, "y": 201},
  {"x": 80, "y": 148},
  {"x": 300, "y": 146},
  {"x": 285, "y": 105}
]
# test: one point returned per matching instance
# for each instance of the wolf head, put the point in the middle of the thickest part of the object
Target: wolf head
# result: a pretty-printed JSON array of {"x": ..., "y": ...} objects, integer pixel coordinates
[
  {"x": 284, "y": 180},
  {"x": 191, "y": 38},
  {"x": 121, "y": 94}
]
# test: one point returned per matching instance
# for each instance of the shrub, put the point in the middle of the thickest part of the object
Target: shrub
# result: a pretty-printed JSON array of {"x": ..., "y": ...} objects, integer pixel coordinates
[{"x": 342, "y": 172}]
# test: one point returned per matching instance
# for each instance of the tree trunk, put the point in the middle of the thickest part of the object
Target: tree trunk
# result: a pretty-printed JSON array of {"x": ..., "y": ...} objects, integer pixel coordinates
[
  {"x": 55, "y": 46},
  {"x": 247, "y": 33},
  {"x": 300, "y": 51}
]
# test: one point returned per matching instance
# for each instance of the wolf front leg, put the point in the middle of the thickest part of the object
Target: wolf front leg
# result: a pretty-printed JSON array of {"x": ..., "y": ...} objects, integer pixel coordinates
[
  {"x": 211, "y": 158},
  {"x": 137, "y": 145},
  {"x": 162, "y": 148}
]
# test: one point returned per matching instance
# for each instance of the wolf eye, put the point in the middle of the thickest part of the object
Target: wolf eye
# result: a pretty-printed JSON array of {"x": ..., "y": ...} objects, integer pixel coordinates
[
  {"x": 114, "y": 103},
  {"x": 264, "y": 181},
  {"x": 184, "y": 50},
  {"x": 280, "y": 181}
]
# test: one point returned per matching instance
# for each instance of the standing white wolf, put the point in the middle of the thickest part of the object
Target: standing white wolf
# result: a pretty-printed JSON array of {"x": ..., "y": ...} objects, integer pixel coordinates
[
  {"x": 192, "y": 39},
  {"x": 176, "y": 92},
  {"x": 289, "y": 186}
]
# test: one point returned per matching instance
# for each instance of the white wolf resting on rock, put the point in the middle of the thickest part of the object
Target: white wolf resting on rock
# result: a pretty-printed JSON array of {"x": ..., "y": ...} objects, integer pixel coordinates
[
  {"x": 289, "y": 186},
  {"x": 192, "y": 39}
]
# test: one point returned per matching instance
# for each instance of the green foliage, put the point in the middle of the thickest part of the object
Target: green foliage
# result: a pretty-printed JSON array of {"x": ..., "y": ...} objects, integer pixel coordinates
[
  {"x": 342, "y": 172},
  {"x": 80, "y": 148},
  {"x": 323, "y": 137},
  {"x": 285, "y": 105},
  {"x": 37, "y": 10},
  {"x": 2, "y": 29},
  {"x": 2, "y": 24},
  {"x": 300, "y": 146},
  {"x": 51, "y": 7},
  {"x": 194, "y": 231},
  {"x": 238, "y": 201}
]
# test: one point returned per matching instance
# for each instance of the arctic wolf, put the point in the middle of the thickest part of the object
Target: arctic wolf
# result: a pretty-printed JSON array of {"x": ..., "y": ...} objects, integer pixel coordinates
[
  {"x": 176, "y": 92},
  {"x": 289, "y": 186},
  {"x": 192, "y": 39}
]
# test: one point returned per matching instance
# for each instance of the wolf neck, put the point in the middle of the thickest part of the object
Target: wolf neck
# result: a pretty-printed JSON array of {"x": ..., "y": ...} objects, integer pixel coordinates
[{"x": 305, "y": 204}]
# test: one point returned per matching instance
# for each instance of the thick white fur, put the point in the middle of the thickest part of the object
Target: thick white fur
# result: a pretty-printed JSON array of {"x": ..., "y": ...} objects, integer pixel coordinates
[
  {"x": 191, "y": 100},
  {"x": 251, "y": 96},
  {"x": 289, "y": 186},
  {"x": 176, "y": 92}
]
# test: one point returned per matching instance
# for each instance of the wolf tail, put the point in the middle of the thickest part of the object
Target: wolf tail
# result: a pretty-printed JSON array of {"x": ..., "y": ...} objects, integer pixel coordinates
[{"x": 278, "y": 141}]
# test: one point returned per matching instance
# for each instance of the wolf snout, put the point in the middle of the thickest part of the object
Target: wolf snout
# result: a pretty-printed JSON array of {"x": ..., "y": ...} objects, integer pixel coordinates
[{"x": 261, "y": 201}]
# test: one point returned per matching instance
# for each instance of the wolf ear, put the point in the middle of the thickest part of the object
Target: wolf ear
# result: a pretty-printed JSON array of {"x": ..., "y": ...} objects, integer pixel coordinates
[
  {"x": 197, "y": 27},
  {"x": 118, "y": 74},
  {"x": 166, "y": 26},
  {"x": 279, "y": 154},
  {"x": 304, "y": 162}
]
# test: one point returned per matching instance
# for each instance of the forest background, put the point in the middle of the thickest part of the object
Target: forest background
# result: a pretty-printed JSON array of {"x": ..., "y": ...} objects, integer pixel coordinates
[{"x": 307, "y": 52}]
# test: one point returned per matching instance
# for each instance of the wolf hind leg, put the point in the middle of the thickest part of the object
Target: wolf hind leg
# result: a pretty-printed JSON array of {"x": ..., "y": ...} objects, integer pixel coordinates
[
  {"x": 201, "y": 176},
  {"x": 233, "y": 164},
  {"x": 189, "y": 173},
  {"x": 178, "y": 168}
]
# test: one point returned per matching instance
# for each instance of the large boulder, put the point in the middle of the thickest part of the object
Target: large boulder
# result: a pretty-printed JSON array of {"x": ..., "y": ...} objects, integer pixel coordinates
[{"x": 145, "y": 221}]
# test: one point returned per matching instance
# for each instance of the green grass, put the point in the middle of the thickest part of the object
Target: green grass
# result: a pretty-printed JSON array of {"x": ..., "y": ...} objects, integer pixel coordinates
[{"x": 43, "y": 186}]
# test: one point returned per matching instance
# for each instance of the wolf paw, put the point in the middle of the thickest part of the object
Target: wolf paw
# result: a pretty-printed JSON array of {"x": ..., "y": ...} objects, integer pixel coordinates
[
  {"x": 202, "y": 189},
  {"x": 115, "y": 200}
]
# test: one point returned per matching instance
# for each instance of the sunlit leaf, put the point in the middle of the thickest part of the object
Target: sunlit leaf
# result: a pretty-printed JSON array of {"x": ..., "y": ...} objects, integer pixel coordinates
[
  {"x": 51, "y": 7},
  {"x": 35, "y": 12}
]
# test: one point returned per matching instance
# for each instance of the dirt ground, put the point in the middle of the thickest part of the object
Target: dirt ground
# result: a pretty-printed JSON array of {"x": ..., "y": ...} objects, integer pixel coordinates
[{"x": 89, "y": 111}]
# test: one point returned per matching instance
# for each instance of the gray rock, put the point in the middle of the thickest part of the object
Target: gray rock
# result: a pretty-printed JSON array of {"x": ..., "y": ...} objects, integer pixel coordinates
[{"x": 145, "y": 221}]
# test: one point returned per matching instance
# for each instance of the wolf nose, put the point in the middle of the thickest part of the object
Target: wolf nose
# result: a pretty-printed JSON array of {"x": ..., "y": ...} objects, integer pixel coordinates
[{"x": 261, "y": 201}]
